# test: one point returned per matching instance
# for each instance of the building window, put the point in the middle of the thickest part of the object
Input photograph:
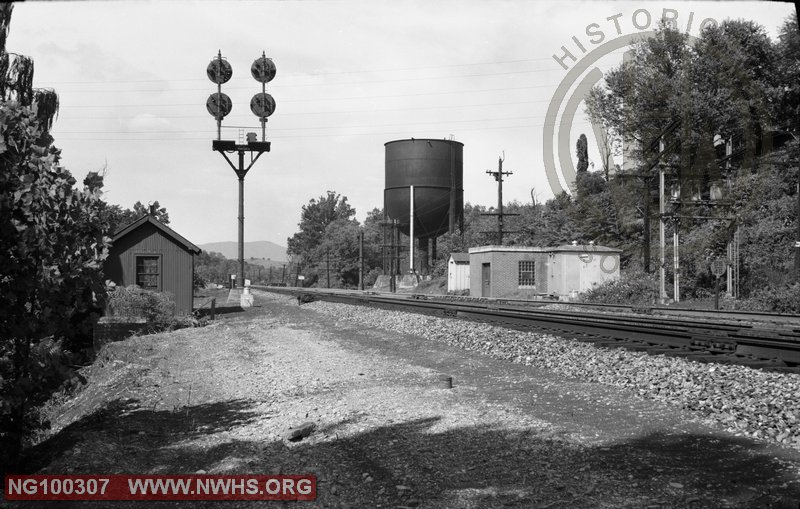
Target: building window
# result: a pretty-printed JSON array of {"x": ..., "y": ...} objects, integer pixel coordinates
[
  {"x": 147, "y": 273},
  {"x": 527, "y": 273}
]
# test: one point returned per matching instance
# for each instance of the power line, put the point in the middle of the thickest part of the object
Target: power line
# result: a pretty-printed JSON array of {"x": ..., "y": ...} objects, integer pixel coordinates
[
  {"x": 323, "y": 135},
  {"x": 398, "y": 69},
  {"x": 326, "y": 99},
  {"x": 343, "y": 112},
  {"x": 295, "y": 85},
  {"x": 327, "y": 84},
  {"x": 311, "y": 128}
]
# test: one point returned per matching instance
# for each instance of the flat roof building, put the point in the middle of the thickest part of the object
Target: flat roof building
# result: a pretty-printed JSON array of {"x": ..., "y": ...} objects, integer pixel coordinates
[{"x": 525, "y": 271}]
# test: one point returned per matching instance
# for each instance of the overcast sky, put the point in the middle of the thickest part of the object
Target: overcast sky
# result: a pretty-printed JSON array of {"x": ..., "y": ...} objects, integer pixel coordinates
[{"x": 351, "y": 75}]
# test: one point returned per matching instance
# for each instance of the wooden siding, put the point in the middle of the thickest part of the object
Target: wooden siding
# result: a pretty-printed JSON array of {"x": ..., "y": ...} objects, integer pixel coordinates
[
  {"x": 457, "y": 275},
  {"x": 177, "y": 263}
]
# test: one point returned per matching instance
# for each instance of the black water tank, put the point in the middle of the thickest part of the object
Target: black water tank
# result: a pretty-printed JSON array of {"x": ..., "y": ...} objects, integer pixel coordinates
[{"x": 436, "y": 170}]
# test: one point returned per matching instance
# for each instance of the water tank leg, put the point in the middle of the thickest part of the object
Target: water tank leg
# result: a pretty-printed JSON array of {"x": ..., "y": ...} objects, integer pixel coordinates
[
  {"x": 396, "y": 233},
  {"x": 411, "y": 265},
  {"x": 423, "y": 248},
  {"x": 433, "y": 250}
]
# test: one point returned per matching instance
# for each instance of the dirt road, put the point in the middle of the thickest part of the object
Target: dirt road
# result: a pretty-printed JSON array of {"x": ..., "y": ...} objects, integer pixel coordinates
[{"x": 221, "y": 399}]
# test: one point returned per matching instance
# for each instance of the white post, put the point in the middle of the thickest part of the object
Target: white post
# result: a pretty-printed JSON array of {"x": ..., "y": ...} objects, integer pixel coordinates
[
  {"x": 677, "y": 289},
  {"x": 729, "y": 287},
  {"x": 411, "y": 230},
  {"x": 661, "y": 210}
]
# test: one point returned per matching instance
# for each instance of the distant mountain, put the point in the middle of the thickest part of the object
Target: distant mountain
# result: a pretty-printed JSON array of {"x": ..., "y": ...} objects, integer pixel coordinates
[{"x": 257, "y": 249}]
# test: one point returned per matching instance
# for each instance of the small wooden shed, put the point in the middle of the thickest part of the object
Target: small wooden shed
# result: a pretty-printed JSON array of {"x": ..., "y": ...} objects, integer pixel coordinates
[
  {"x": 149, "y": 254},
  {"x": 458, "y": 272}
]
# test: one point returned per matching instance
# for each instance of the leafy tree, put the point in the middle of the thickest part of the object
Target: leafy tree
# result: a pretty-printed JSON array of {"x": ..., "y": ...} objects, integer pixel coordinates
[
  {"x": 51, "y": 250},
  {"x": 315, "y": 218},
  {"x": 373, "y": 246},
  {"x": 733, "y": 86},
  {"x": 118, "y": 218},
  {"x": 337, "y": 254},
  {"x": 788, "y": 98},
  {"x": 722, "y": 87},
  {"x": 213, "y": 267}
]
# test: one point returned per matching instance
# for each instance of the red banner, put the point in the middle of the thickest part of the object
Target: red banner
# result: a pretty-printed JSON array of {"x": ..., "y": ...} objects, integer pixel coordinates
[{"x": 160, "y": 487}]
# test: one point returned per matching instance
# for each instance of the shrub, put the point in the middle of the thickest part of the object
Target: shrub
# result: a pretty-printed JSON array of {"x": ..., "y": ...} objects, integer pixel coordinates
[
  {"x": 156, "y": 307},
  {"x": 779, "y": 298},
  {"x": 45, "y": 369},
  {"x": 635, "y": 287}
]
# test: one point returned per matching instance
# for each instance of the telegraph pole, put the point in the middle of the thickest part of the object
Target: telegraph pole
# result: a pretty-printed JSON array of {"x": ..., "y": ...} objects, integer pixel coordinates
[
  {"x": 498, "y": 176},
  {"x": 361, "y": 260},
  {"x": 328, "y": 265},
  {"x": 647, "y": 198},
  {"x": 662, "y": 208},
  {"x": 797, "y": 239}
]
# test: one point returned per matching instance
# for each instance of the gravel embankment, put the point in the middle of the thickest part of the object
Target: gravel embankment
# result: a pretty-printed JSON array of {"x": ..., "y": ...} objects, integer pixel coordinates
[{"x": 745, "y": 401}]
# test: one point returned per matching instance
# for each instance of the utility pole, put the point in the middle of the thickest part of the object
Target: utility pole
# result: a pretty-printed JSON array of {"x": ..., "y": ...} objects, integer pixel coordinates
[
  {"x": 391, "y": 244},
  {"x": 646, "y": 243},
  {"x": 797, "y": 239},
  {"x": 498, "y": 176},
  {"x": 662, "y": 294},
  {"x": 361, "y": 260},
  {"x": 328, "y": 265},
  {"x": 660, "y": 145}
]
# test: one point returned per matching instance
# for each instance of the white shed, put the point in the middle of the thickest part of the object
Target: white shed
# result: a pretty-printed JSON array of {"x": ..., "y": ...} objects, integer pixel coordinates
[{"x": 458, "y": 272}]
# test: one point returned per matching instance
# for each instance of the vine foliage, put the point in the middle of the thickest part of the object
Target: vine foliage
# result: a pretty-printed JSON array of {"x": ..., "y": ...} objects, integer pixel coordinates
[{"x": 51, "y": 253}]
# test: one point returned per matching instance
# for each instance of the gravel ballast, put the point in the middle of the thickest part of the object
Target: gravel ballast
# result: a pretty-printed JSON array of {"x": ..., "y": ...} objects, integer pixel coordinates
[
  {"x": 357, "y": 397},
  {"x": 745, "y": 401}
]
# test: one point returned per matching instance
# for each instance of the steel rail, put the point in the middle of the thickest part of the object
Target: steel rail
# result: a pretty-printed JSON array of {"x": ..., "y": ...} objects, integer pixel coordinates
[{"x": 704, "y": 341}]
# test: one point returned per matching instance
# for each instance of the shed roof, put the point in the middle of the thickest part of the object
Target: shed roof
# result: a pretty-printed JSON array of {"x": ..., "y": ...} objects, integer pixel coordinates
[
  {"x": 169, "y": 232},
  {"x": 460, "y": 257}
]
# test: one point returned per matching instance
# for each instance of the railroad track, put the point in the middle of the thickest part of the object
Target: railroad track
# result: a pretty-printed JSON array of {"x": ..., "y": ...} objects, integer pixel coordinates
[{"x": 773, "y": 345}]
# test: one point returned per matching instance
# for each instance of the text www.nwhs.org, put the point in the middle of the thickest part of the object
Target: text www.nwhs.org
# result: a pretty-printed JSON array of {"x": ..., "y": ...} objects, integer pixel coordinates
[{"x": 161, "y": 487}]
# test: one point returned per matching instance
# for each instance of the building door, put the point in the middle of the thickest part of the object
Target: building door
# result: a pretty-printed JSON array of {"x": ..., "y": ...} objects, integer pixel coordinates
[{"x": 486, "y": 280}]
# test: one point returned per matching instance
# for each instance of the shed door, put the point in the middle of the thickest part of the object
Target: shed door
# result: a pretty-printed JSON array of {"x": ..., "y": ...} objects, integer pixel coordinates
[
  {"x": 451, "y": 276},
  {"x": 486, "y": 280}
]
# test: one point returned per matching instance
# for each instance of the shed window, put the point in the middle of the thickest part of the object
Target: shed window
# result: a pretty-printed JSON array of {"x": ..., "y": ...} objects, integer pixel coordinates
[
  {"x": 148, "y": 274},
  {"x": 527, "y": 273}
]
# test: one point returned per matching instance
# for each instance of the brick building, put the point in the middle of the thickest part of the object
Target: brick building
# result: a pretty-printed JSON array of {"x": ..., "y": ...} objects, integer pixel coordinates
[{"x": 524, "y": 272}]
